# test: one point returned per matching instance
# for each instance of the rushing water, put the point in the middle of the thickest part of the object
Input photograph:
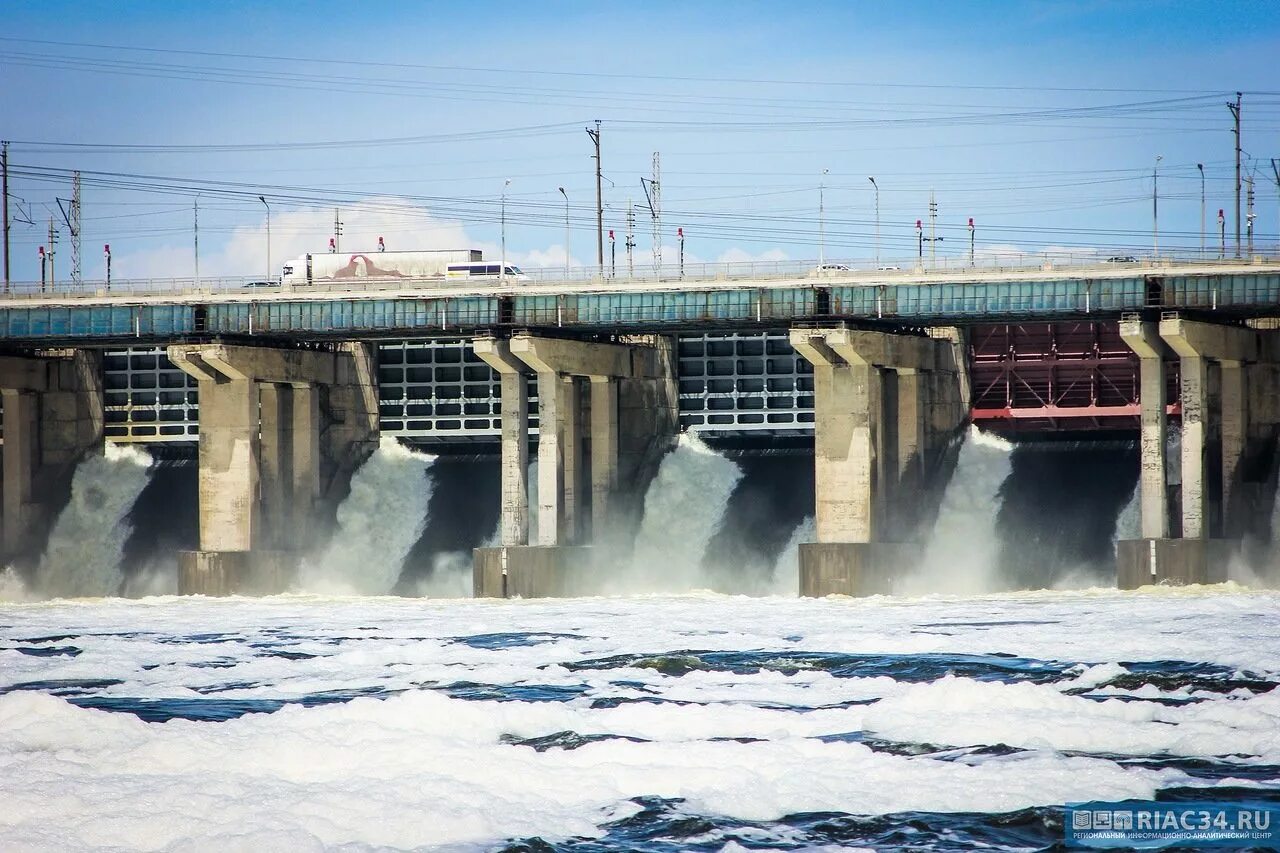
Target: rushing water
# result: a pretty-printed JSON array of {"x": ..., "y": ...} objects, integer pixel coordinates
[
  {"x": 683, "y": 509},
  {"x": 82, "y": 557},
  {"x": 378, "y": 524},
  {"x": 699, "y": 722},
  {"x": 963, "y": 551}
]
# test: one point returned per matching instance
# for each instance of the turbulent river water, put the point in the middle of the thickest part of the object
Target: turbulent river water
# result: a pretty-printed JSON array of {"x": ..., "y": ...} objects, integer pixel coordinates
[{"x": 700, "y": 722}]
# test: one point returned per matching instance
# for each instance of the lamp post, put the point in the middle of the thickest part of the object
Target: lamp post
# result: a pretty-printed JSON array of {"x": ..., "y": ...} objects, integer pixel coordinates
[
  {"x": 502, "y": 270},
  {"x": 821, "y": 218},
  {"x": 264, "y": 202},
  {"x": 877, "y": 188},
  {"x": 566, "y": 233},
  {"x": 195, "y": 233},
  {"x": 1200, "y": 166},
  {"x": 1155, "y": 206}
]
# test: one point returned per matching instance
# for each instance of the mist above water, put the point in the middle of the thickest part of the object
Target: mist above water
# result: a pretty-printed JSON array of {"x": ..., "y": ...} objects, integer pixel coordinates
[{"x": 377, "y": 525}]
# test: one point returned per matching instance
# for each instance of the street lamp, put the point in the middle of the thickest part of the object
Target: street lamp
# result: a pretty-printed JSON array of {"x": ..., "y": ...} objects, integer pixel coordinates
[
  {"x": 264, "y": 202},
  {"x": 1200, "y": 166},
  {"x": 877, "y": 187},
  {"x": 1155, "y": 206},
  {"x": 821, "y": 217},
  {"x": 566, "y": 233},
  {"x": 502, "y": 270}
]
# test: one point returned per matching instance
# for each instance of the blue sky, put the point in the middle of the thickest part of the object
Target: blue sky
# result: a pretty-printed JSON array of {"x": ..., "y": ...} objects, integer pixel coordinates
[{"x": 748, "y": 103}]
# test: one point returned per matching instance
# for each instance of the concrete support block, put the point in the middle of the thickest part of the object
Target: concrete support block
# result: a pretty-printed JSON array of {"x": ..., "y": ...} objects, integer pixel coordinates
[
  {"x": 554, "y": 485},
  {"x": 514, "y": 523},
  {"x": 1144, "y": 339},
  {"x": 604, "y": 451},
  {"x": 529, "y": 571},
  {"x": 854, "y": 568},
  {"x": 1234, "y": 398},
  {"x": 1195, "y": 424},
  {"x": 229, "y": 465},
  {"x": 1142, "y": 562},
  {"x": 53, "y": 417},
  {"x": 263, "y": 572}
]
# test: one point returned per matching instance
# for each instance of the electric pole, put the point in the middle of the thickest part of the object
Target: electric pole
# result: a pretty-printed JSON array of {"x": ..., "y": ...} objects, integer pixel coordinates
[
  {"x": 195, "y": 233},
  {"x": 1249, "y": 216},
  {"x": 1200, "y": 166},
  {"x": 1275, "y": 170},
  {"x": 337, "y": 231},
  {"x": 595, "y": 139},
  {"x": 933, "y": 223},
  {"x": 821, "y": 217},
  {"x": 53, "y": 241},
  {"x": 71, "y": 216},
  {"x": 653, "y": 194},
  {"x": 1235, "y": 114},
  {"x": 4, "y": 167},
  {"x": 971, "y": 255},
  {"x": 631, "y": 239}
]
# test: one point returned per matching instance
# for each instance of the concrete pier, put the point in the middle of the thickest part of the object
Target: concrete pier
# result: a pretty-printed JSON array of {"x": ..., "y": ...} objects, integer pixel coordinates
[
  {"x": 888, "y": 410},
  {"x": 606, "y": 413},
  {"x": 1227, "y": 398},
  {"x": 52, "y": 418},
  {"x": 281, "y": 432}
]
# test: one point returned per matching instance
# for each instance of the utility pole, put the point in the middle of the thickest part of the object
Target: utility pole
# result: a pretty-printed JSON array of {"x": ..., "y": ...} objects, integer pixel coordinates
[
  {"x": 74, "y": 227},
  {"x": 613, "y": 255},
  {"x": 53, "y": 242},
  {"x": 1275, "y": 170},
  {"x": 70, "y": 210},
  {"x": 653, "y": 193},
  {"x": 337, "y": 231},
  {"x": 195, "y": 233},
  {"x": 4, "y": 168},
  {"x": 595, "y": 138},
  {"x": 1249, "y": 216},
  {"x": 971, "y": 256},
  {"x": 631, "y": 239},
  {"x": 1200, "y": 166},
  {"x": 919, "y": 243},
  {"x": 821, "y": 219},
  {"x": 1222, "y": 234},
  {"x": 1155, "y": 207},
  {"x": 877, "y": 188},
  {"x": 933, "y": 223},
  {"x": 680, "y": 236},
  {"x": 566, "y": 233},
  {"x": 44, "y": 262},
  {"x": 1235, "y": 114},
  {"x": 263, "y": 199},
  {"x": 502, "y": 270},
  {"x": 106, "y": 256}
]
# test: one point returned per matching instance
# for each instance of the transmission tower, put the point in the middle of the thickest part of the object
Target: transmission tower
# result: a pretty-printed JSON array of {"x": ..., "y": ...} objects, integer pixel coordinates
[
  {"x": 653, "y": 194},
  {"x": 74, "y": 227}
]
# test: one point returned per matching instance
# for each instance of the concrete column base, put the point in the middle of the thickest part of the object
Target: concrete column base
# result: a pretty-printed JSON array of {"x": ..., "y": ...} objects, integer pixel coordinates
[
  {"x": 235, "y": 572},
  {"x": 855, "y": 568},
  {"x": 1141, "y": 562},
  {"x": 532, "y": 571}
]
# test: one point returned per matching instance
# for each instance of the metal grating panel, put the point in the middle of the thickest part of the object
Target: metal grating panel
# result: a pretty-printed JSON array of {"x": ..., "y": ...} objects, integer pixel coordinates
[
  {"x": 146, "y": 398},
  {"x": 744, "y": 382},
  {"x": 441, "y": 390}
]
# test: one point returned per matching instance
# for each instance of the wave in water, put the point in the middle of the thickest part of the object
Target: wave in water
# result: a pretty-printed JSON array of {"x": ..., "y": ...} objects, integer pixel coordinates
[
  {"x": 683, "y": 509},
  {"x": 378, "y": 523},
  {"x": 84, "y": 552},
  {"x": 963, "y": 551}
]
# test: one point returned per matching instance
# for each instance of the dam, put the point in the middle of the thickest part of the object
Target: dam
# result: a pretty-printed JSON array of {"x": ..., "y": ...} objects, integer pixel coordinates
[{"x": 860, "y": 391}]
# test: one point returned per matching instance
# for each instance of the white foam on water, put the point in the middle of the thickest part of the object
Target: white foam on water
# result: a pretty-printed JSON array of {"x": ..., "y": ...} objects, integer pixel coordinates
[
  {"x": 963, "y": 551},
  {"x": 683, "y": 509},
  {"x": 786, "y": 571},
  {"x": 378, "y": 523},
  {"x": 82, "y": 557}
]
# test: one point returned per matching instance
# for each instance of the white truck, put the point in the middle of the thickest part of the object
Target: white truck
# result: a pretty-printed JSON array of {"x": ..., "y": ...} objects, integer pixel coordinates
[{"x": 355, "y": 267}]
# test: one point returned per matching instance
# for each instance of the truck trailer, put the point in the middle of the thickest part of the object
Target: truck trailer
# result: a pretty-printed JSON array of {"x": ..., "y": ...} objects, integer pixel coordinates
[{"x": 353, "y": 267}]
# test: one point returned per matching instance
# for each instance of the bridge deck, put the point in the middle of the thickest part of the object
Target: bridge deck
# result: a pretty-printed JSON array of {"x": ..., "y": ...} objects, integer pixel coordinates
[{"x": 435, "y": 308}]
